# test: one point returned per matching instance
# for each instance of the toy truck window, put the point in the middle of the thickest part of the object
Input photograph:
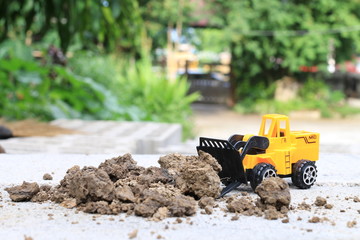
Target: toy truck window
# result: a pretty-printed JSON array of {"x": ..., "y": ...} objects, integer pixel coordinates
[
  {"x": 267, "y": 127},
  {"x": 283, "y": 128}
]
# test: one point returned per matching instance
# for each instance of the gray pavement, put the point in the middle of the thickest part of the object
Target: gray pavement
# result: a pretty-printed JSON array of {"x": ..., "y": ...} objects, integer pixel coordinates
[{"x": 100, "y": 137}]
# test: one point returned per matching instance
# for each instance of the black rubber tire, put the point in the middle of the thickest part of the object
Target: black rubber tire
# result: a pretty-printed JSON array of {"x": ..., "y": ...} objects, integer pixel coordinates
[
  {"x": 304, "y": 174},
  {"x": 261, "y": 171}
]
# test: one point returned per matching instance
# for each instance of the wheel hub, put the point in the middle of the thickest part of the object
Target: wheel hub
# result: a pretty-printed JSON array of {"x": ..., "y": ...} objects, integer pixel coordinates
[
  {"x": 269, "y": 173},
  {"x": 310, "y": 175}
]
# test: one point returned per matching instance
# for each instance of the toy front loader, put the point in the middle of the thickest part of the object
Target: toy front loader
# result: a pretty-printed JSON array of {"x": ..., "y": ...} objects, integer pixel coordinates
[
  {"x": 230, "y": 158},
  {"x": 276, "y": 151}
]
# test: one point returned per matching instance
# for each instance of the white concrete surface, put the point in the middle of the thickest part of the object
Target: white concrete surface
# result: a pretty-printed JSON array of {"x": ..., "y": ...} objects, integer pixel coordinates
[{"x": 339, "y": 180}]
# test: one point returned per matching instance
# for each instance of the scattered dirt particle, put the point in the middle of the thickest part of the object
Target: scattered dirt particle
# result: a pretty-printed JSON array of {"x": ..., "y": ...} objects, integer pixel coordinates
[
  {"x": 178, "y": 220},
  {"x": 309, "y": 230},
  {"x": 356, "y": 199},
  {"x": 342, "y": 210},
  {"x": 314, "y": 220},
  {"x": 133, "y": 234},
  {"x": 320, "y": 201},
  {"x": 24, "y": 192},
  {"x": 159, "y": 237},
  {"x": 27, "y": 238},
  {"x": 47, "y": 176},
  {"x": 351, "y": 224},
  {"x": 235, "y": 217},
  {"x": 304, "y": 206},
  {"x": 285, "y": 220},
  {"x": 328, "y": 206},
  {"x": 69, "y": 203},
  {"x": 2, "y": 150},
  {"x": 75, "y": 222}
]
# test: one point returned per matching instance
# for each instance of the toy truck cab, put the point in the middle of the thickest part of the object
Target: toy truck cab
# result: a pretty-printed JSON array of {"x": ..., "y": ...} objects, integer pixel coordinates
[{"x": 276, "y": 151}]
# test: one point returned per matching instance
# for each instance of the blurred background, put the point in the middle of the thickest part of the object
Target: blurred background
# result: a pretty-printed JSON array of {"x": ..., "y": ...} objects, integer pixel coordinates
[{"x": 161, "y": 60}]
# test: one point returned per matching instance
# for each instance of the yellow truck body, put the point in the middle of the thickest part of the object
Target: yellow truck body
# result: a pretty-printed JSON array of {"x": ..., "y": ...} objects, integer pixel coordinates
[{"x": 285, "y": 147}]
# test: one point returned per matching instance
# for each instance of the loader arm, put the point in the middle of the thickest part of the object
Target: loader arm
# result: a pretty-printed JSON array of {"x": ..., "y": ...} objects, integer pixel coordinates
[{"x": 230, "y": 156}]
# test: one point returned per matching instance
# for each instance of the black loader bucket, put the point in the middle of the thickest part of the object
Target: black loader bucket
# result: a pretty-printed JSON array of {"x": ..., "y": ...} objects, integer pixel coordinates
[{"x": 230, "y": 159}]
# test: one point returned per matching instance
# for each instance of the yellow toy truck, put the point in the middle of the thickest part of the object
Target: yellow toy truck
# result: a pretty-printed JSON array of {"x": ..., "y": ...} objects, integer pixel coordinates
[{"x": 276, "y": 151}]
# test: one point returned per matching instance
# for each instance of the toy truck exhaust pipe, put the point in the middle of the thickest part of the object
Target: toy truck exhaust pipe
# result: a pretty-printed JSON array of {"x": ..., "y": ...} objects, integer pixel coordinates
[{"x": 230, "y": 155}]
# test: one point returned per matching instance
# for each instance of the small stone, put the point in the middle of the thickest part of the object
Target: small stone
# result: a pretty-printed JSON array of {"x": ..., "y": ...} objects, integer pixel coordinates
[
  {"x": 69, "y": 203},
  {"x": 351, "y": 224},
  {"x": 5, "y": 133},
  {"x": 286, "y": 220},
  {"x": 2, "y": 150},
  {"x": 47, "y": 176},
  {"x": 320, "y": 201},
  {"x": 328, "y": 206},
  {"x": 133, "y": 234},
  {"x": 356, "y": 199},
  {"x": 314, "y": 220}
]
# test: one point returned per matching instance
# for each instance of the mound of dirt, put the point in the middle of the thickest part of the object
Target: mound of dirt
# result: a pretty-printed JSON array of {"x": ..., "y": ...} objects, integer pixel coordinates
[
  {"x": 177, "y": 189},
  {"x": 119, "y": 185}
]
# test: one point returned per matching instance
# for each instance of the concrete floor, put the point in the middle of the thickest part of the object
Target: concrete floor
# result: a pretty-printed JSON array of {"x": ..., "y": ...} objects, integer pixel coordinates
[{"x": 338, "y": 181}]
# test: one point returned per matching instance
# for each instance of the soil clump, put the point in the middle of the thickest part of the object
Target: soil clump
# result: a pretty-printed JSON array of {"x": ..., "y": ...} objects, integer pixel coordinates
[
  {"x": 194, "y": 175},
  {"x": 273, "y": 203},
  {"x": 24, "y": 192},
  {"x": 47, "y": 176},
  {"x": 320, "y": 201}
]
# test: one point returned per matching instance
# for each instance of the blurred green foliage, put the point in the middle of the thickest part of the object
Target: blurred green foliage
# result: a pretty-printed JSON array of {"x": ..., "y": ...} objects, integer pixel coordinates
[
  {"x": 271, "y": 39},
  {"x": 314, "y": 94},
  {"x": 90, "y": 87},
  {"x": 108, "y": 24}
]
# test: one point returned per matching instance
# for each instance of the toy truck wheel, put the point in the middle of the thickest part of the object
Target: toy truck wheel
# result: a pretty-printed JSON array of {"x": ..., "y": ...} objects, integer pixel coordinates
[
  {"x": 260, "y": 172},
  {"x": 304, "y": 174}
]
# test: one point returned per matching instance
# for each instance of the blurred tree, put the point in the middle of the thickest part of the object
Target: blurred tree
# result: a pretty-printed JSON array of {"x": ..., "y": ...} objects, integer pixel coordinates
[
  {"x": 273, "y": 38},
  {"x": 111, "y": 24},
  {"x": 161, "y": 16}
]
